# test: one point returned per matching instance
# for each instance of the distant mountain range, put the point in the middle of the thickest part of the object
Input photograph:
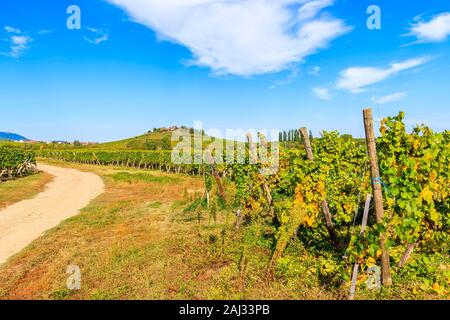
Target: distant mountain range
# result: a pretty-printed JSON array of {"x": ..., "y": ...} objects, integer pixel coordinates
[{"x": 11, "y": 136}]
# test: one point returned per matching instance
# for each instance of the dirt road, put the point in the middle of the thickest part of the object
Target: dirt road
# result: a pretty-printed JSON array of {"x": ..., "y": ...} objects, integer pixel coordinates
[{"x": 22, "y": 222}]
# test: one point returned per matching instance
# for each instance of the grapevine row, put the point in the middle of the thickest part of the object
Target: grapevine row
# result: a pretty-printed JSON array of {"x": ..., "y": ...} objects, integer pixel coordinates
[
  {"x": 154, "y": 160},
  {"x": 15, "y": 162},
  {"x": 416, "y": 186}
]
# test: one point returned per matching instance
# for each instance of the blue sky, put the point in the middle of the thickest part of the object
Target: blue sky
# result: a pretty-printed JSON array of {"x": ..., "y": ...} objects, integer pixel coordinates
[{"x": 139, "y": 64}]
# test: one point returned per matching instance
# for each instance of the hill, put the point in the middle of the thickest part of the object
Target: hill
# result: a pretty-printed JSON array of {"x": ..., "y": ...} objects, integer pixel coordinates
[
  {"x": 156, "y": 140},
  {"x": 12, "y": 136}
]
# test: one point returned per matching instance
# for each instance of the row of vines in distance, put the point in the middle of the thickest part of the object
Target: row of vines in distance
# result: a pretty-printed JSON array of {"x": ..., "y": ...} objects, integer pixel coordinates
[
  {"x": 154, "y": 160},
  {"x": 16, "y": 162}
]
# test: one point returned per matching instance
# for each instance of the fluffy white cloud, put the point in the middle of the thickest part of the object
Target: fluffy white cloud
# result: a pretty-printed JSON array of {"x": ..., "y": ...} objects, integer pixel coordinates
[
  {"x": 19, "y": 45},
  {"x": 18, "y": 42},
  {"x": 240, "y": 37},
  {"x": 356, "y": 79},
  {"x": 311, "y": 9},
  {"x": 322, "y": 93},
  {"x": 389, "y": 98},
  {"x": 434, "y": 30}
]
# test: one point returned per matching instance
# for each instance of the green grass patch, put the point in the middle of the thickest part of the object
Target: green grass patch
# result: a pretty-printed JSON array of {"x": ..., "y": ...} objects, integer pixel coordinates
[{"x": 128, "y": 177}]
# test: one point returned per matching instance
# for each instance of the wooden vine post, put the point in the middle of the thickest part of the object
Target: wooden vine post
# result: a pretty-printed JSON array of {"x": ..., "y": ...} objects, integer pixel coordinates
[
  {"x": 211, "y": 162},
  {"x": 329, "y": 223},
  {"x": 356, "y": 266},
  {"x": 377, "y": 194},
  {"x": 254, "y": 159},
  {"x": 307, "y": 143}
]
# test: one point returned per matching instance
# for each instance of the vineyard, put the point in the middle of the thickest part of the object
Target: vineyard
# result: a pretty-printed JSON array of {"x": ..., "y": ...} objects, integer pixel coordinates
[
  {"x": 15, "y": 162},
  {"x": 320, "y": 201},
  {"x": 321, "y": 196},
  {"x": 154, "y": 160}
]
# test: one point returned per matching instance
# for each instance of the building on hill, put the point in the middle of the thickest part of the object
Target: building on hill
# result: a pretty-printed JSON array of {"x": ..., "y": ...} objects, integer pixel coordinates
[{"x": 165, "y": 129}]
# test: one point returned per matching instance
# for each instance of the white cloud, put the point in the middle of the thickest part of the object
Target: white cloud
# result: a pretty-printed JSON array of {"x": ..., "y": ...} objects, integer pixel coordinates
[
  {"x": 18, "y": 42},
  {"x": 19, "y": 45},
  {"x": 310, "y": 9},
  {"x": 389, "y": 98},
  {"x": 288, "y": 80},
  {"x": 243, "y": 38},
  {"x": 322, "y": 93},
  {"x": 10, "y": 29},
  {"x": 356, "y": 79},
  {"x": 98, "y": 40},
  {"x": 45, "y": 31},
  {"x": 95, "y": 30},
  {"x": 435, "y": 30},
  {"x": 102, "y": 36},
  {"x": 315, "y": 71}
]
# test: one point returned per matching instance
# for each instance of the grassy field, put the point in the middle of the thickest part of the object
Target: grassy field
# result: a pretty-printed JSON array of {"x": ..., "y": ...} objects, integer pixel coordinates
[
  {"x": 24, "y": 188},
  {"x": 137, "y": 241}
]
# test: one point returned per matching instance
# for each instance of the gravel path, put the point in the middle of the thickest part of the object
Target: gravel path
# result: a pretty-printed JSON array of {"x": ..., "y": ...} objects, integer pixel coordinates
[{"x": 22, "y": 222}]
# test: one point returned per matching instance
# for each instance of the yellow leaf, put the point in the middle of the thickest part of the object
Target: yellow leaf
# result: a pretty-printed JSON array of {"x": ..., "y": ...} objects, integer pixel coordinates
[
  {"x": 437, "y": 288},
  {"x": 321, "y": 187},
  {"x": 427, "y": 195},
  {"x": 428, "y": 156},
  {"x": 434, "y": 215},
  {"x": 309, "y": 220},
  {"x": 433, "y": 176},
  {"x": 390, "y": 202},
  {"x": 348, "y": 207},
  {"x": 416, "y": 144},
  {"x": 298, "y": 195},
  {"x": 379, "y": 253},
  {"x": 370, "y": 262}
]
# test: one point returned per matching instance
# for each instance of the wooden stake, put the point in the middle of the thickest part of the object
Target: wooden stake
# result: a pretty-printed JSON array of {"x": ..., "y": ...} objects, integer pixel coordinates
[
  {"x": 409, "y": 250},
  {"x": 210, "y": 161},
  {"x": 238, "y": 219},
  {"x": 219, "y": 183},
  {"x": 254, "y": 160},
  {"x": 307, "y": 143},
  {"x": 356, "y": 266},
  {"x": 366, "y": 213},
  {"x": 354, "y": 279},
  {"x": 332, "y": 233},
  {"x": 377, "y": 193}
]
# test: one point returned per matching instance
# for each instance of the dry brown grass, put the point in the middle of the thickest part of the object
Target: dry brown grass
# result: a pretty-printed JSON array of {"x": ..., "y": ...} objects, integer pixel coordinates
[
  {"x": 120, "y": 241},
  {"x": 13, "y": 191}
]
